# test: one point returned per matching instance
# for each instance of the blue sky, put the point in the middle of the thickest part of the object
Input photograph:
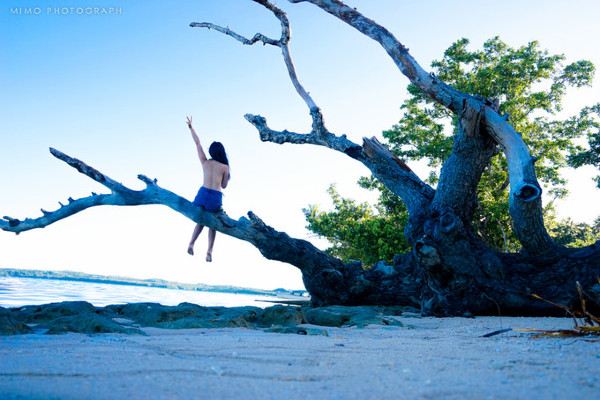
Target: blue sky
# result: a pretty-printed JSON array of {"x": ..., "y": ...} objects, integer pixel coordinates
[{"x": 114, "y": 91}]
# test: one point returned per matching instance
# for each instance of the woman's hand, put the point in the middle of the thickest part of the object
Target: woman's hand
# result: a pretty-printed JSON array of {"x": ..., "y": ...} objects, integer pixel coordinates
[{"x": 196, "y": 140}]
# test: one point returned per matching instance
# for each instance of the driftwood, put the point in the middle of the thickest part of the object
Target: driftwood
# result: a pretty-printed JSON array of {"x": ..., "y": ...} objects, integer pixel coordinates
[{"x": 450, "y": 270}]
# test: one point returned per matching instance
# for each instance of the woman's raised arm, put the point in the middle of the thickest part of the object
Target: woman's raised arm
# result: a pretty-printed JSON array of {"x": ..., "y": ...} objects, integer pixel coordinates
[{"x": 197, "y": 141}]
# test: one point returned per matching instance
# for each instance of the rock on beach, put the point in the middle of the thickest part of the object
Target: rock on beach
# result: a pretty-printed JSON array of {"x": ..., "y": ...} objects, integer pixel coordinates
[{"x": 83, "y": 317}]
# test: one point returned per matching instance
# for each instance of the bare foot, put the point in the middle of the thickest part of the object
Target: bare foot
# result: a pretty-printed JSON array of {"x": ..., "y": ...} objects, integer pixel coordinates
[
  {"x": 208, "y": 257},
  {"x": 191, "y": 251}
]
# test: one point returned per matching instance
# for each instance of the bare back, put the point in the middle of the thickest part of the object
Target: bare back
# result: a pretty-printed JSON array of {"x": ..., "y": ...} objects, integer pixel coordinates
[{"x": 216, "y": 174}]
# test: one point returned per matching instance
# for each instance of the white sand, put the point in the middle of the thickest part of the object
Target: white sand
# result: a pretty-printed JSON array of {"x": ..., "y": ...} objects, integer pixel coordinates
[{"x": 439, "y": 359}]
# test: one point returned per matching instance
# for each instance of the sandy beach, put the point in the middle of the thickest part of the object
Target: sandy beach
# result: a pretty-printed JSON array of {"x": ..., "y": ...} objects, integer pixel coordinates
[{"x": 434, "y": 358}]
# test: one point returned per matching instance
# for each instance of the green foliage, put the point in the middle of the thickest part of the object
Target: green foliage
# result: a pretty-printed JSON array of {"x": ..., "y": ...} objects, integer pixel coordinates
[
  {"x": 357, "y": 232},
  {"x": 589, "y": 122},
  {"x": 530, "y": 84},
  {"x": 572, "y": 234}
]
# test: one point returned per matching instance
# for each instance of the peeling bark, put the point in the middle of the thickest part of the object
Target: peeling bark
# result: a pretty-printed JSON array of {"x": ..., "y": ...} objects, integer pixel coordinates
[
  {"x": 525, "y": 201},
  {"x": 471, "y": 154}
]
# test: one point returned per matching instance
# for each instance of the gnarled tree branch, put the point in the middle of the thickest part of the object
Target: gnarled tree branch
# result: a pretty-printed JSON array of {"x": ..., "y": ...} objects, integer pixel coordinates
[
  {"x": 525, "y": 196},
  {"x": 327, "y": 278},
  {"x": 385, "y": 166},
  {"x": 472, "y": 151},
  {"x": 428, "y": 83},
  {"x": 258, "y": 37},
  {"x": 272, "y": 244},
  {"x": 450, "y": 271},
  {"x": 525, "y": 203},
  {"x": 283, "y": 43},
  {"x": 396, "y": 175}
]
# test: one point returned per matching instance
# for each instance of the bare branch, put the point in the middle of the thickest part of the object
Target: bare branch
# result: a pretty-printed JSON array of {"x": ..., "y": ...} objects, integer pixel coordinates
[
  {"x": 327, "y": 278},
  {"x": 521, "y": 169},
  {"x": 87, "y": 170},
  {"x": 282, "y": 17},
  {"x": 380, "y": 162},
  {"x": 390, "y": 170},
  {"x": 525, "y": 203},
  {"x": 292, "y": 72},
  {"x": 427, "y": 82},
  {"x": 272, "y": 244},
  {"x": 320, "y": 137},
  {"x": 397, "y": 176},
  {"x": 259, "y": 37},
  {"x": 282, "y": 43}
]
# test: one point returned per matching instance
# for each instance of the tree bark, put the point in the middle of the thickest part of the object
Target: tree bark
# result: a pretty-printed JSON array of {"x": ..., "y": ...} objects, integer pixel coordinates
[
  {"x": 461, "y": 273},
  {"x": 471, "y": 154},
  {"x": 450, "y": 270},
  {"x": 525, "y": 201}
]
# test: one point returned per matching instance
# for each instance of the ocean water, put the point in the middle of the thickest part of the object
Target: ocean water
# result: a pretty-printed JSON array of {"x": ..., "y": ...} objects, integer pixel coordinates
[{"x": 16, "y": 292}]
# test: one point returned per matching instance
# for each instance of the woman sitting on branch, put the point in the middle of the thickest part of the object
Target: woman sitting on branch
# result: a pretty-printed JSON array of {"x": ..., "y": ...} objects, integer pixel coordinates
[{"x": 209, "y": 197}]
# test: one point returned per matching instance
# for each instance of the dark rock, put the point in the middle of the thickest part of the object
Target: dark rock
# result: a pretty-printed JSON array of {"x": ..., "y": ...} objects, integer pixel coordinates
[
  {"x": 236, "y": 317},
  {"x": 299, "y": 330},
  {"x": 112, "y": 309},
  {"x": 348, "y": 316},
  {"x": 185, "y": 323},
  {"x": 138, "y": 312},
  {"x": 11, "y": 326},
  {"x": 89, "y": 323},
  {"x": 328, "y": 316},
  {"x": 398, "y": 311},
  {"x": 219, "y": 322},
  {"x": 154, "y": 314},
  {"x": 183, "y": 310},
  {"x": 49, "y": 312},
  {"x": 239, "y": 322},
  {"x": 83, "y": 317},
  {"x": 186, "y": 315},
  {"x": 281, "y": 315}
]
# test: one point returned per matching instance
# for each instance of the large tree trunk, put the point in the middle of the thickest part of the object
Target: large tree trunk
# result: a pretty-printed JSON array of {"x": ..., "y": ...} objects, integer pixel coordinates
[{"x": 450, "y": 270}]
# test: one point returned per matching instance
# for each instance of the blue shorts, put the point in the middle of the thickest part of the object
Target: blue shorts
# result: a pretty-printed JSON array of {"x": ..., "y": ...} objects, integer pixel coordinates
[{"x": 209, "y": 199}]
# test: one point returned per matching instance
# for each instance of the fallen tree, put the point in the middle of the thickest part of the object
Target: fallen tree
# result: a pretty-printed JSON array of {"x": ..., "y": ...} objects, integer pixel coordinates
[{"x": 450, "y": 270}]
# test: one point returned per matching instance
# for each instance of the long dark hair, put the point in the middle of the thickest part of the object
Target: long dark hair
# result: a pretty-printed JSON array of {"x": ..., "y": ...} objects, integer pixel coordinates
[{"x": 217, "y": 152}]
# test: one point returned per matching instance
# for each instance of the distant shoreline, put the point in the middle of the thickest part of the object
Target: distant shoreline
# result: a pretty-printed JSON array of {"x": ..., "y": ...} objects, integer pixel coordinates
[{"x": 119, "y": 280}]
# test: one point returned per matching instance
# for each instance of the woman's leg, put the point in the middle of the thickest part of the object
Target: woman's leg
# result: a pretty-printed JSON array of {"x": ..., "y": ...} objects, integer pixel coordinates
[
  {"x": 195, "y": 235},
  {"x": 211, "y": 242}
]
